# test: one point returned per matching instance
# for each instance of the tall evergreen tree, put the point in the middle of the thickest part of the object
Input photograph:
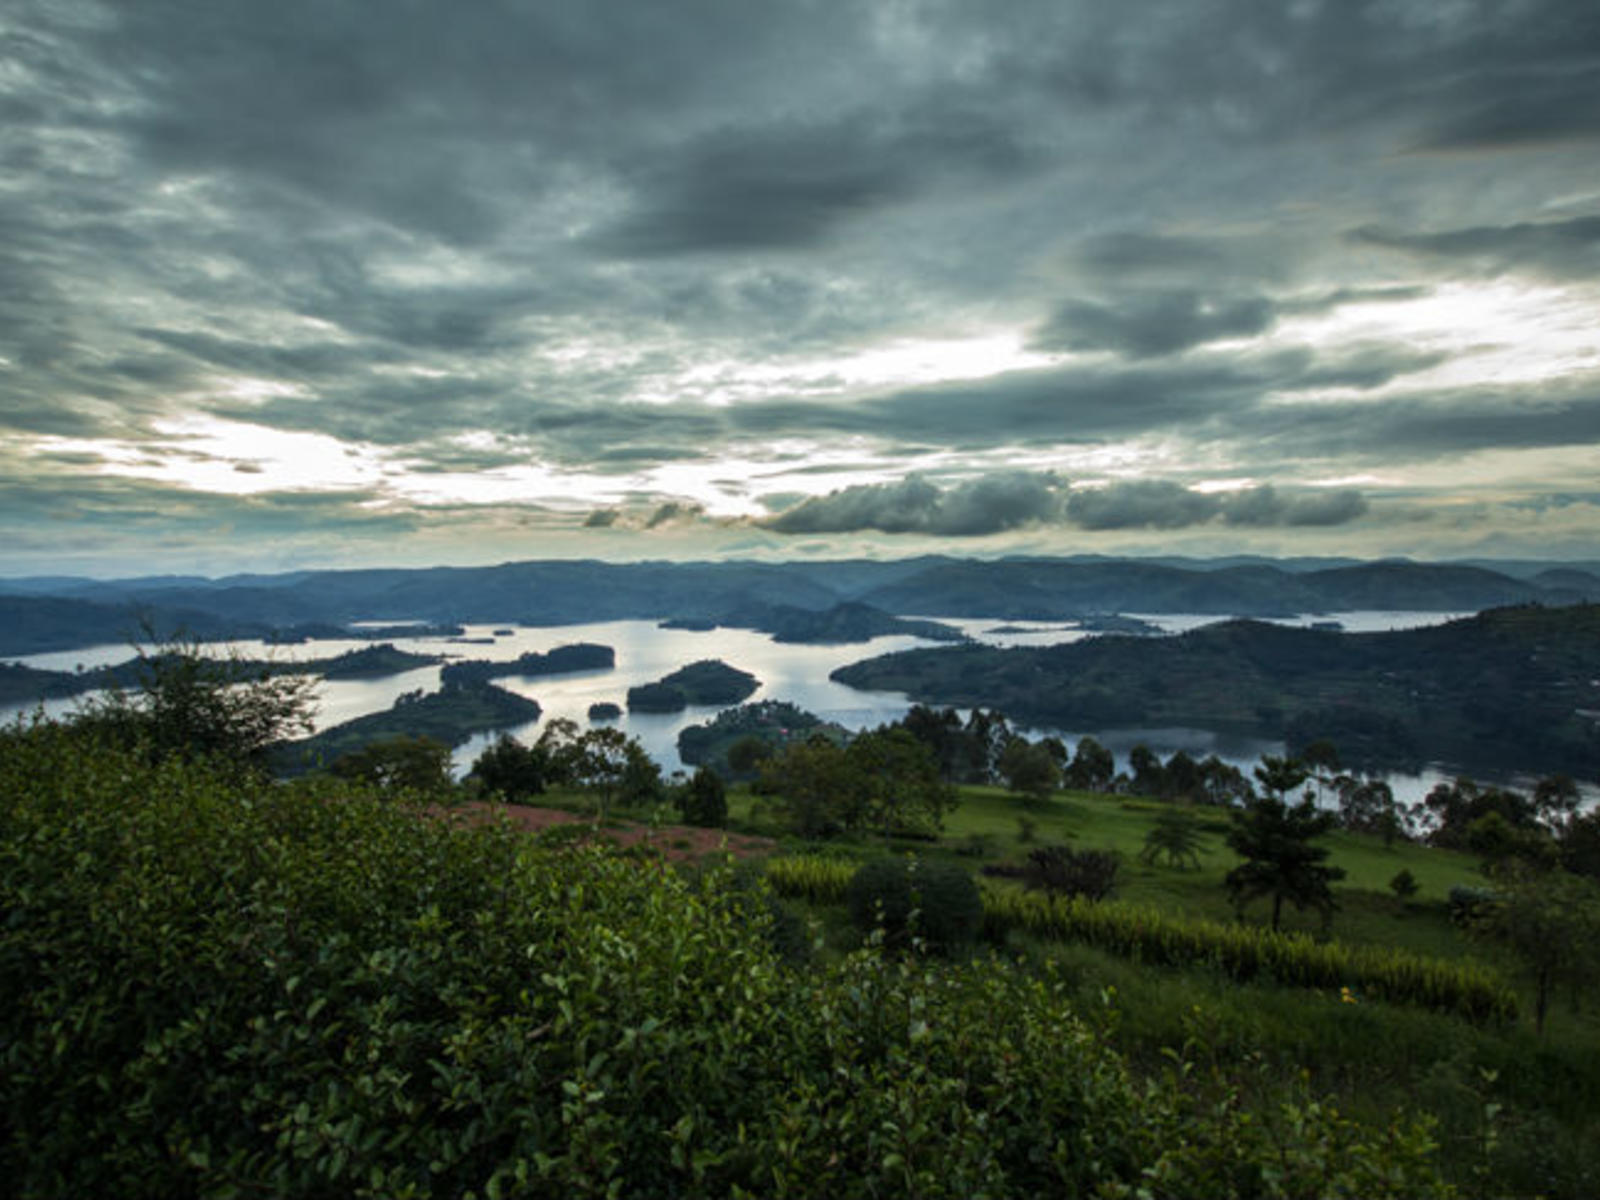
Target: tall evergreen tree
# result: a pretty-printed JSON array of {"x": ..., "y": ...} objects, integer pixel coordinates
[{"x": 1275, "y": 841}]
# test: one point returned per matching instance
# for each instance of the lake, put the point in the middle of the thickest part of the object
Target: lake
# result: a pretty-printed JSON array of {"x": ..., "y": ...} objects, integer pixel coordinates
[{"x": 796, "y": 673}]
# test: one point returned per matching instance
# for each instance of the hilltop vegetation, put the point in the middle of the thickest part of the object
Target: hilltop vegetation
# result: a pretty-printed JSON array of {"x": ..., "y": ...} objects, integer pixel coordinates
[
  {"x": 335, "y": 989},
  {"x": 216, "y": 986},
  {"x": 1508, "y": 688}
]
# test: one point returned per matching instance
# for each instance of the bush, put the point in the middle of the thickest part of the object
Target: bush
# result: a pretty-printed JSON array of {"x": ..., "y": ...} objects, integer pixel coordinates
[
  {"x": 911, "y": 898},
  {"x": 213, "y": 986},
  {"x": 704, "y": 800}
]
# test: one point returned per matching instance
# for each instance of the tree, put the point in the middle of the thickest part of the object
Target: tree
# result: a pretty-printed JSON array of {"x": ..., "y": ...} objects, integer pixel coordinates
[
  {"x": 1092, "y": 767},
  {"x": 810, "y": 778},
  {"x": 188, "y": 704},
  {"x": 1280, "y": 776},
  {"x": 1368, "y": 806},
  {"x": 1274, "y": 839},
  {"x": 1149, "y": 776},
  {"x": 513, "y": 771},
  {"x": 1029, "y": 768},
  {"x": 1175, "y": 836},
  {"x": 747, "y": 754},
  {"x": 1550, "y": 923},
  {"x": 399, "y": 764},
  {"x": 704, "y": 800},
  {"x": 898, "y": 782}
]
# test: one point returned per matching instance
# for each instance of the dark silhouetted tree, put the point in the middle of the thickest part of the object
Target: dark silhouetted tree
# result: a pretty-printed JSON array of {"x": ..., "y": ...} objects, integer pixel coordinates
[{"x": 1280, "y": 861}]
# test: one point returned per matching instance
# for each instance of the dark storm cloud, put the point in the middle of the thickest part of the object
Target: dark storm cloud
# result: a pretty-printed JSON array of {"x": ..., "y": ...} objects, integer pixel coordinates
[
  {"x": 1150, "y": 325},
  {"x": 1009, "y": 500},
  {"x": 1141, "y": 504},
  {"x": 990, "y": 504},
  {"x": 1558, "y": 248},
  {"x": 781, "y": 187}
]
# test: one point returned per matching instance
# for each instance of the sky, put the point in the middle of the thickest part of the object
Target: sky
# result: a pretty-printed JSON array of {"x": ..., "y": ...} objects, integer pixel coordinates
[{"x": 361, "y": 282}]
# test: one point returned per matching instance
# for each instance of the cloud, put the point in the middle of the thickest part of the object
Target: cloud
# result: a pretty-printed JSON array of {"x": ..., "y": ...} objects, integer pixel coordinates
[
  {"x": 990, "y": 504},
  {"x": 674, "y": 512},
  {"x": 1153, "y": 324},
  {"x": 1568, "y": 248},
  {"x": 1266, "y": 506},
  {"x": 1141, "y": 504}
]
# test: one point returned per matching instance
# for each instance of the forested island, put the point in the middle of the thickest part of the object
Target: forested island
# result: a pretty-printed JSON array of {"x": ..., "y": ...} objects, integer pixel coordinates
[
  {"x": 25, "y": 685},
  {"x": 450, "y": 716},
  {"x": 562, "y": 660},
  {"x": 709, "y": 681},
  {"x": 1512, "y": 688}
]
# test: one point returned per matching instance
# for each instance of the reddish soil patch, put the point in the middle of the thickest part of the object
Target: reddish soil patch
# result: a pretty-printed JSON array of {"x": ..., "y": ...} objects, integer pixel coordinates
[{"x": 679, "y": 843}]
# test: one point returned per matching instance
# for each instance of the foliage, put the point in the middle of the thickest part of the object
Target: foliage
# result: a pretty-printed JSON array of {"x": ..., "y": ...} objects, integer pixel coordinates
[
  {"x": 704, "y": 800},
  {"x": 883, "y": 780},
  {"x": 212, "y": 986},
  {"x": 927, "y": 901},
  {"x": 709, "y": 681},
  {"x": 1239, "y": 952},
  {"x": 737, "y": 740},
  {"x": 515, "y": 772},
  {"x": 1454, "y": 807},
  {"x": 451, "y": 715},
  {"x": 1274, "y": 839},
  {"x": 1404, "y": 885},
  {"x": 1091, "y": 768},
  {"x": 966, "y": 752},
  {"x": 1063, "y": 871},
  {"x": 1550, "y": 923},
  {"x": 1494, "y": 690},
  {"x": 1028, "y": 768},
  {"x": 399, "y": 764},
  {"x": 188, "y": 704},
  {"x": 1175, "y": 837},
  {"x": 578, "y": 656}
]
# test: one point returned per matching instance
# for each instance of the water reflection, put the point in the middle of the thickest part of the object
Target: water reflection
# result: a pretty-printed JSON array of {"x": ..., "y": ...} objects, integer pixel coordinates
[{"x": 795, "y": 673}]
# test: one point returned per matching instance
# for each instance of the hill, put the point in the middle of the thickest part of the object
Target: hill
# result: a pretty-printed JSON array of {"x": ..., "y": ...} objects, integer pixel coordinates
[
  {"x": 755, "y": 595},
  {"x": 1510, "y": 689}
]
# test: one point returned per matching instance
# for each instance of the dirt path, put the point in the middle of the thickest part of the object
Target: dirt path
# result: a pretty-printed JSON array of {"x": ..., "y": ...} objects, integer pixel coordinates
[{"x": 678, "y": 843}]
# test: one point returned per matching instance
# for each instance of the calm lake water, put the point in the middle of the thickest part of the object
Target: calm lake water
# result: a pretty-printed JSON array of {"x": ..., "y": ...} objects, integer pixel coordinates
[{"x": 796, "y": 673}]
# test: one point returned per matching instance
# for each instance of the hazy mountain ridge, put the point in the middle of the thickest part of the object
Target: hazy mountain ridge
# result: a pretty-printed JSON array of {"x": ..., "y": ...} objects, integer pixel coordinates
[{"x": 559, "y": 592}]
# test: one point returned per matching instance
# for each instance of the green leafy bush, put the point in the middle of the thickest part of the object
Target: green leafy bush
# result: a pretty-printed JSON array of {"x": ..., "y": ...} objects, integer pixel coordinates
[
  {"x": 911, "y": 898},
  {"x": 215, "y": 986}
]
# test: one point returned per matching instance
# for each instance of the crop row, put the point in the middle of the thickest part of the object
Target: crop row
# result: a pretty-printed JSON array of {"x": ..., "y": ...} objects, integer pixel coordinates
[{"x": 1239, "y": 951}]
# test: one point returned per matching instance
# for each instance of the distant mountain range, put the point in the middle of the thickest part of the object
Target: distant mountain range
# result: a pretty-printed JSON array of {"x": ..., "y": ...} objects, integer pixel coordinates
[{"x": 57, "y": 613}]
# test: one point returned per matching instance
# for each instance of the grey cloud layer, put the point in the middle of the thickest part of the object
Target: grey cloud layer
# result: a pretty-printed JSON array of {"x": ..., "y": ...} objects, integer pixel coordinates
[
  {"x": 1010, "y": 500},
  {"x": 552, "y": 223}
]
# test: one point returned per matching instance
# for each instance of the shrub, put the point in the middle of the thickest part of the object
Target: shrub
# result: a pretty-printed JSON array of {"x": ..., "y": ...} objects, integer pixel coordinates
[
  {"x": 214, "y": 986},
  {"x": 911, "y": 898},
  {"x": 1404, "y": 884},
  {"x": 1062, "y": 871}
]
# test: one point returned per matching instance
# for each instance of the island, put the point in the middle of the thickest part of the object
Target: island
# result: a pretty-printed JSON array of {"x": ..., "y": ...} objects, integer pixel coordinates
[
  {"x": 26, "y": 685},
  {"x": 604, "y": 711},
  {"x": 563, "y": 660},
  {"x": 709, "y": 681},
  {"x": 451, "y": 715},
  {"x": 772, "y": 723}
]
